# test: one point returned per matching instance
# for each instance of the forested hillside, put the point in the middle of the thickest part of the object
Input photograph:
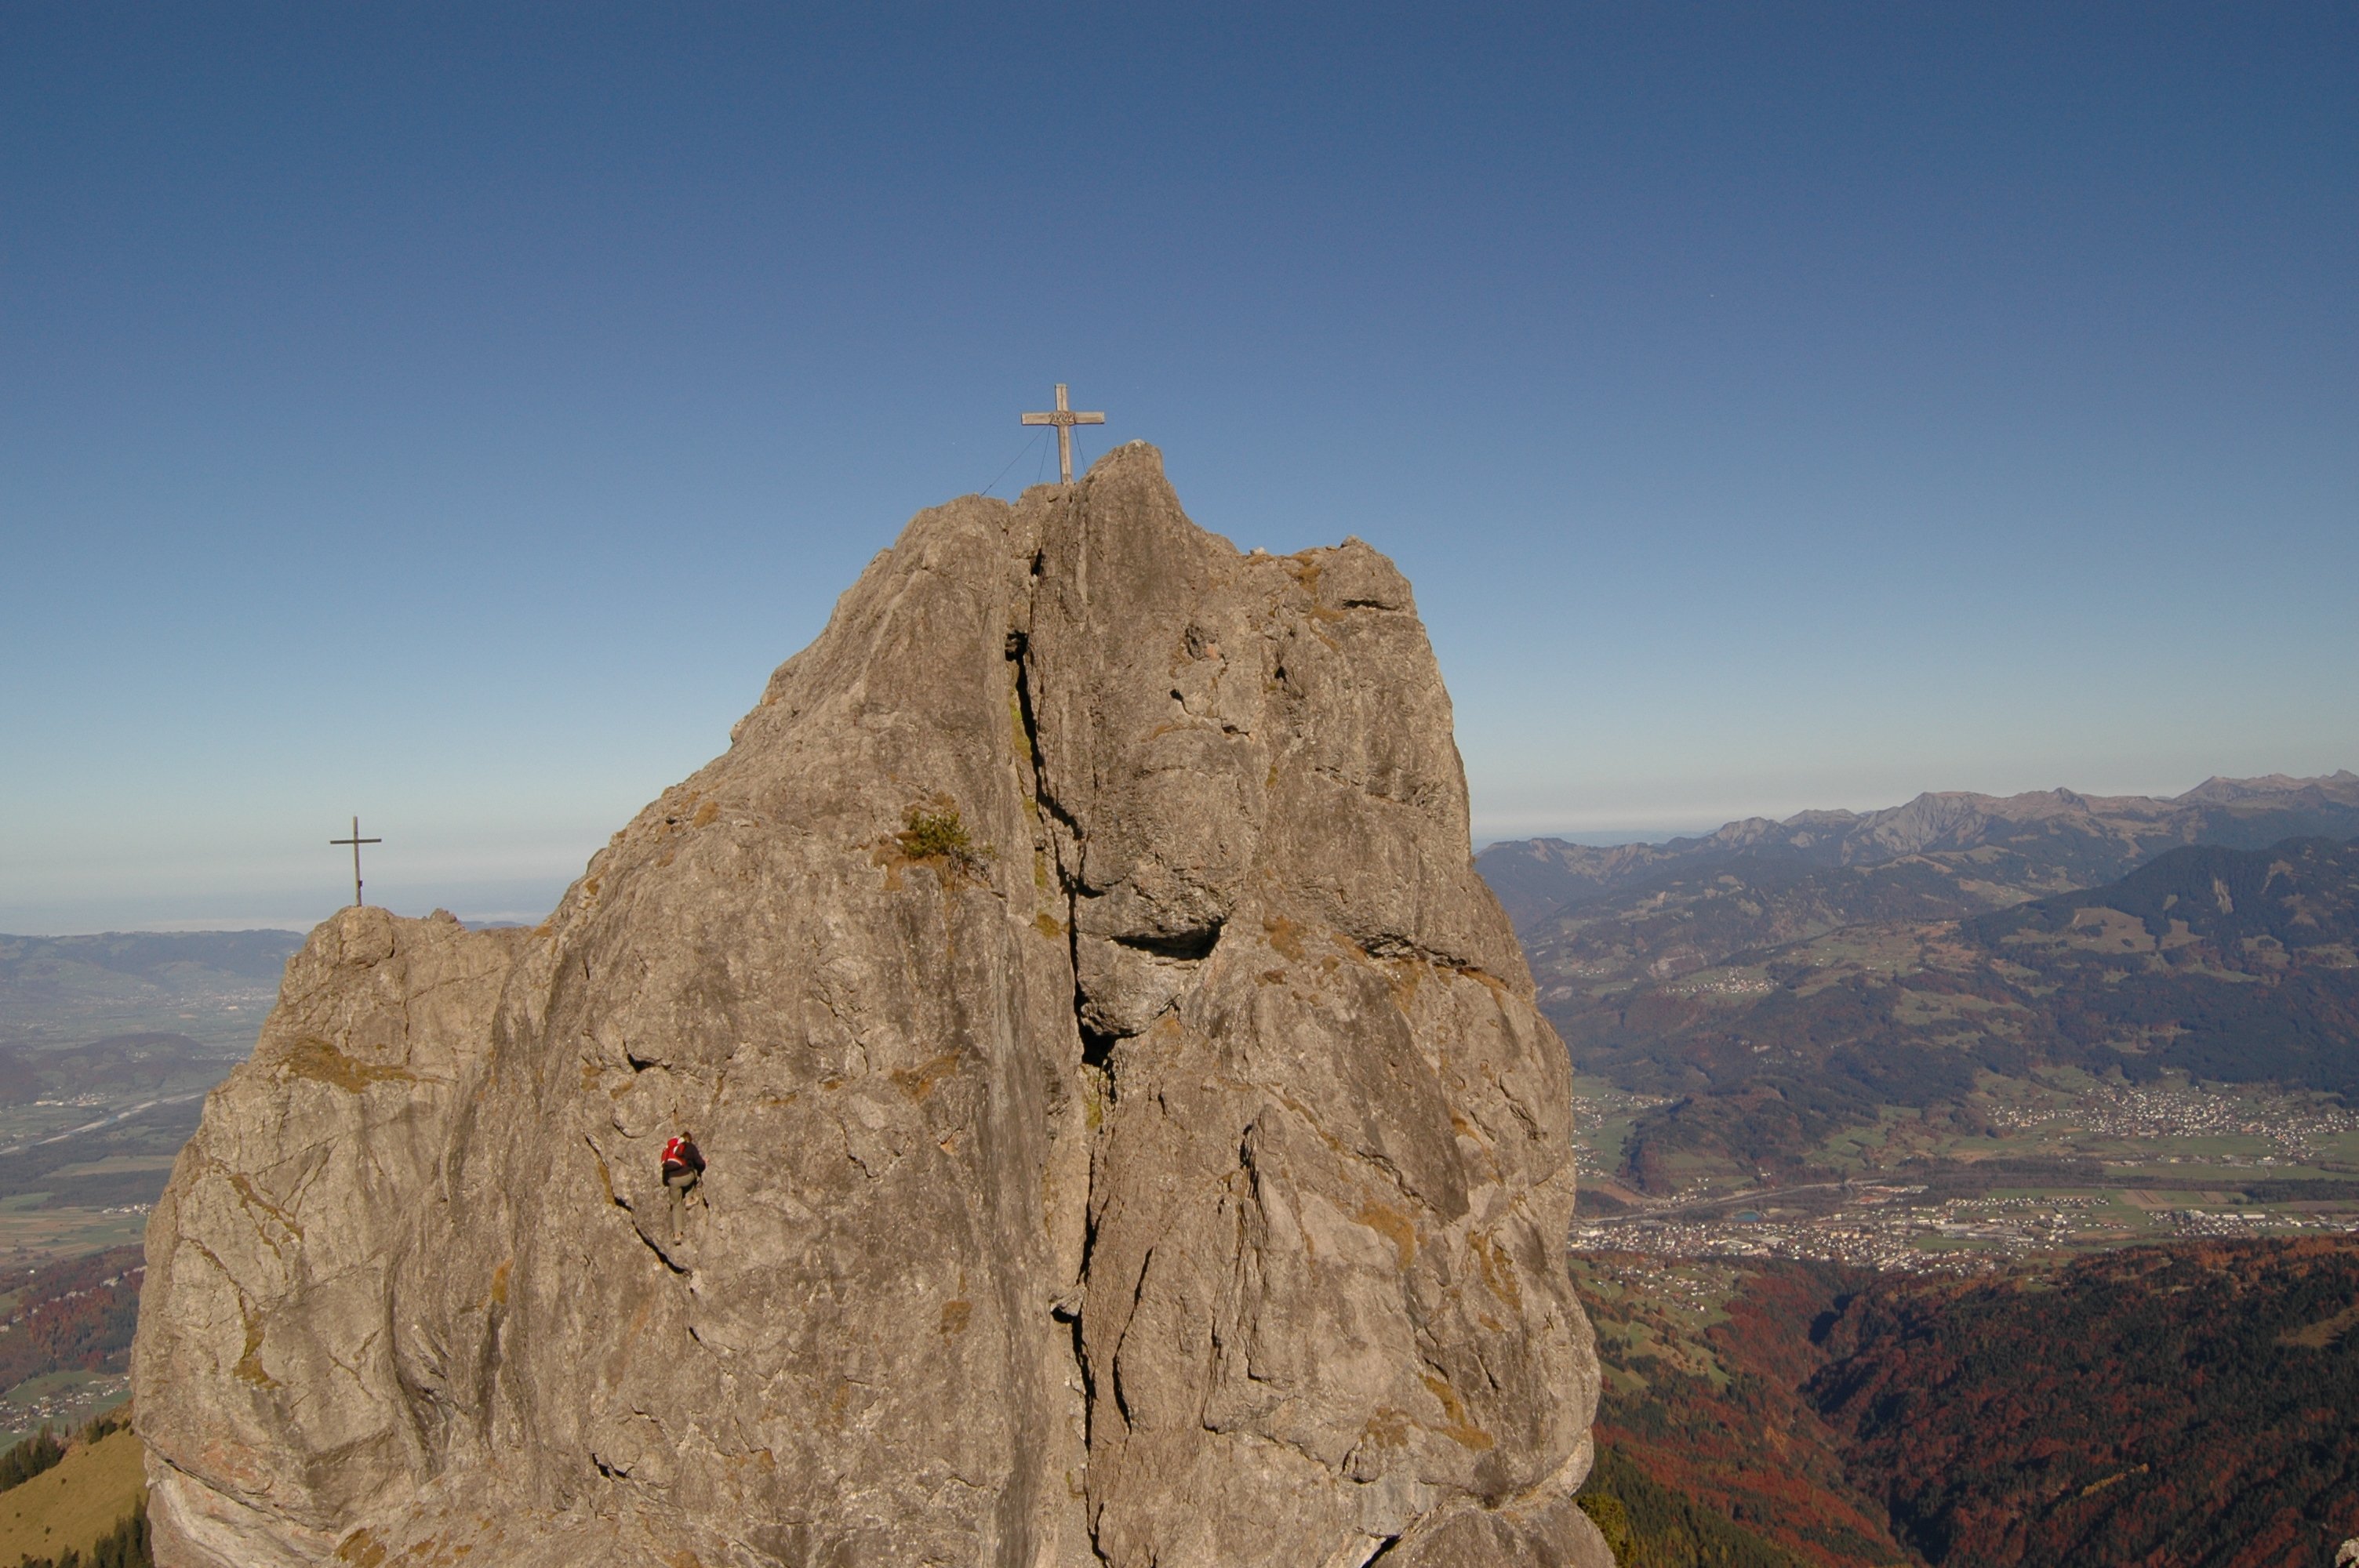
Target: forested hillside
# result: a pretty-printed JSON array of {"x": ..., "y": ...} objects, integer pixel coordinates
[
  {"x": 1704, "y": 1363},
  {"x": 2188, "y": 1405},
  {"x": 72, "y": 1316}
]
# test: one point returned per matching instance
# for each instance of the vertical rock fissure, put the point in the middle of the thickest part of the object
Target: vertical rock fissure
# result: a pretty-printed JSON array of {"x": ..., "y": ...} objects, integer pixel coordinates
[{"x": 1095, "y": 1046}]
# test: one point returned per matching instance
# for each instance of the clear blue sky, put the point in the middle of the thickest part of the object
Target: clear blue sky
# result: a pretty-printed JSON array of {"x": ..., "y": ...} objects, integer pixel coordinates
[{"x": 451, "y": 412}]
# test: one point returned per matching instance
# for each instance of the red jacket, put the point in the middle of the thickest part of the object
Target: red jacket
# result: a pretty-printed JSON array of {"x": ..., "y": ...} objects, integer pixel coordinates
[{"x": 680, "y": 1155}]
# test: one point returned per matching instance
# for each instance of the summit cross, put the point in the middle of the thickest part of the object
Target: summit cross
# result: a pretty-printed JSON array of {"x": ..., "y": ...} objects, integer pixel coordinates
[
  {"x": 1064, "y": 419},
  {"x": 355, "y": 841}
]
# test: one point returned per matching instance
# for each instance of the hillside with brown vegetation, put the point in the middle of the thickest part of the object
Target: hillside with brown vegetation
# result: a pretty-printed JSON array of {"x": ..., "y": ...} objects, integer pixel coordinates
[{"x": 2188, "y": 1405}]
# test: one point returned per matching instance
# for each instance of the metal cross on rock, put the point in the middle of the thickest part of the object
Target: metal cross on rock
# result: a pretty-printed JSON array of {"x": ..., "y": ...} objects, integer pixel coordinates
[
  {"x": 356, "y": 841},
  {"x": 1064, "y": 419}
]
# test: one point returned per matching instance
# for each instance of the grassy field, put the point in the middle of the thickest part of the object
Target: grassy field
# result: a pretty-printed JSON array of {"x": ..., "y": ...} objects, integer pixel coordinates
[
  {"x": 31, "y": 1236},
  {"x": 74, "y": 1504},
  {"x": 1604, "y": 1119}
]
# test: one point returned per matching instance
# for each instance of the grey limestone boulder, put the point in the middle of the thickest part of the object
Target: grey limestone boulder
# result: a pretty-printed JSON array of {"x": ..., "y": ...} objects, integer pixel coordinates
[{"x": 1130, "y": 1140}]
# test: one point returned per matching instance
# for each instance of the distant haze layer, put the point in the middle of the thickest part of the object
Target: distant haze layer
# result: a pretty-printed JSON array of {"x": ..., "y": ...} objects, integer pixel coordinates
[{"x": 285, "y": 887}]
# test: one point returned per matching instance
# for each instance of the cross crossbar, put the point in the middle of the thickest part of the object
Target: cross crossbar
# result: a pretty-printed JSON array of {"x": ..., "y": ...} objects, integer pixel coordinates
[{"x": 1064, "y": 419}]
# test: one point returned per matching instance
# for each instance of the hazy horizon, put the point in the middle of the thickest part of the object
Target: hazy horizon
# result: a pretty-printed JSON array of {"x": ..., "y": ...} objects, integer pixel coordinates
[{"x": 525, "y": 899}]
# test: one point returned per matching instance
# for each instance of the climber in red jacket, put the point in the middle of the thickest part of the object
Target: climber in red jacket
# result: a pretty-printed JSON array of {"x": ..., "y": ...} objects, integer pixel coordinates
[{"x": 683, "y": 1166}]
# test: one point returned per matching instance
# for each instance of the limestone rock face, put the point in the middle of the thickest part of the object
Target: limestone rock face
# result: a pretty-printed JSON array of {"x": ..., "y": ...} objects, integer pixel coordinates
[{"x": 1129, "y": 1136}]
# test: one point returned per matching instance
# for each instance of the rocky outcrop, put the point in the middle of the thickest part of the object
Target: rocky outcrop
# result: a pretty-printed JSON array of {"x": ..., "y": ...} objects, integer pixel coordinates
[
  {"x": 1129, "y": 1136},
  {"x": 266, "y": 1364}
]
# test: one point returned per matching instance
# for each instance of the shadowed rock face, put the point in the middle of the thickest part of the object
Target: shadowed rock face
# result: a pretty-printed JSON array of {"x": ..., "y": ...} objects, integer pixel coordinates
[{"x": 1176, "y": 1173}]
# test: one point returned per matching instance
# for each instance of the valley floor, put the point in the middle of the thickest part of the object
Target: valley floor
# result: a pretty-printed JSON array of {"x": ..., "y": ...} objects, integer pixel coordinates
[{"x": 2060, "y": 1162}]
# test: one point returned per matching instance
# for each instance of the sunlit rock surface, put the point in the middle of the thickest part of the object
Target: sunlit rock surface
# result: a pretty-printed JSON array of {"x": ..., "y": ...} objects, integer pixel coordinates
[{"x": 1130, "y": 1139}]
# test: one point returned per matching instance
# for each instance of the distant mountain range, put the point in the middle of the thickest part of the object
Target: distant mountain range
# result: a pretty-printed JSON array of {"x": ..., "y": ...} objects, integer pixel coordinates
[
  {"x": 108, "y": 1044},
  {"x": 143, "y": 965},
  {"x": 1784, "y": 980},
  {"x": 210, "y": 989},
  {"x": 2234, "y": 965},
  {"x": 1989, "y": 850}
]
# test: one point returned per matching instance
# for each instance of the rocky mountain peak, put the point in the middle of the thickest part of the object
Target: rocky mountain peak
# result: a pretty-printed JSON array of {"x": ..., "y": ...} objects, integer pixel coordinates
[{"x": 1127, "y": 1135}]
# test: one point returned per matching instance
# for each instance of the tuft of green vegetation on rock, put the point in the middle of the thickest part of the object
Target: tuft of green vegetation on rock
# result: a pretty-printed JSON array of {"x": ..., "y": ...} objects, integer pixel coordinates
[{"x": 936, "y": 832}]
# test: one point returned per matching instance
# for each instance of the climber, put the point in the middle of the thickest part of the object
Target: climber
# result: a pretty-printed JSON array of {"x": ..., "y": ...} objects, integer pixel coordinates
[{"x": 683, "y": 1167}]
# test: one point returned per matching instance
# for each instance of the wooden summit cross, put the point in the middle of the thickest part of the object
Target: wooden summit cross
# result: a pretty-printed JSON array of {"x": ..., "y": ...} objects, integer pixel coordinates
[
  {"x": 1064, "y": 419},
  {"x": 356, "y": 841}
]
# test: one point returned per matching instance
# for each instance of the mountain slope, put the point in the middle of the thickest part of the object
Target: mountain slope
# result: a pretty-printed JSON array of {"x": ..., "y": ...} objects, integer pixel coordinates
[
  {"x": 2234, "y": 966},
  {"x": 1589, "y": 915},
  {"x": 35, "y": 970},
  {"x": 1705, "y": 1362},
  {"x": 2185, "y": 1405},
  {"x": 77, "y": 1505}
]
